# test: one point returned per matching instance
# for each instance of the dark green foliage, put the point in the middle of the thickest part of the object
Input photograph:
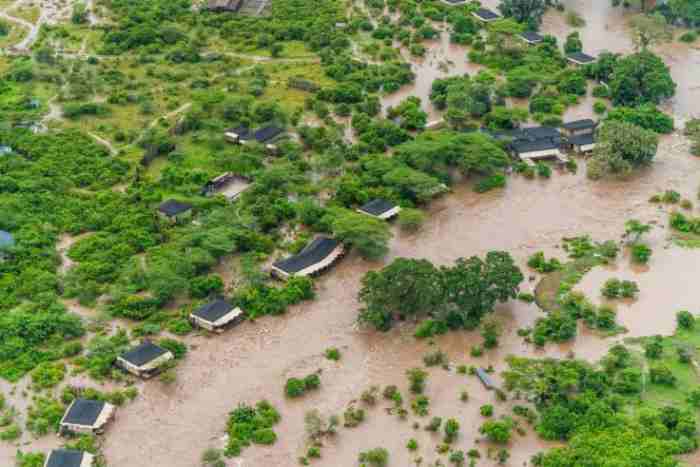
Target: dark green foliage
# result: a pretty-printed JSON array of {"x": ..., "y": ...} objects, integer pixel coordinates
[
  {"x": 641, "y": 253},
  {"x": 295, "y": 387},
  {"x": 621, "y": 147},
  {"x": 645, "y": 116},
  {"x": 176, "y": 347},
  {"x": 685, "y": 320},
  {"x": 641, "y": 78},
  {"x": 458, "y": 296},
  {"x": 248, "y": 424},
  {"x": 538, "y": 262},
  {"x": 377, "y": 457}
]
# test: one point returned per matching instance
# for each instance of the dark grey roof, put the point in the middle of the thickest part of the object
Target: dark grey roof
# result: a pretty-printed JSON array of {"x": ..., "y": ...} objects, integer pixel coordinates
[
  {"x": 6, "y": 239},
  {"x": 267, "y": 133},
  {"x": 377, "y": 207},
  {"x": 225, "y": 5},
  {"x": 64, "y": 458},
  {"x": 580, "y": 124},
  {"x": 84, "y": 412},
  {"x": 314, "y": 252},
  {"x": 214, "y": 311},
  {"x": 522, "y": 147},
  {"x": 143, "y": 353},
  {"x": 532, "y": 36},
  {"x": 243, "y": 132},
  {"x": 455, "y": 2},
  {"x": 581, "y": 57},
  {"x": 582, "y": 140},
  {"x": 486, "y": 14},
  {"x": 173, "y": 207}
]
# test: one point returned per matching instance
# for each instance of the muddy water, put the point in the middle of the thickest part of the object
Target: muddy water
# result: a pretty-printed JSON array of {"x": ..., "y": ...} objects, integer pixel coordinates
[
  {"x": 607, "y": 29},
  {"x": 170, "y": 426}
]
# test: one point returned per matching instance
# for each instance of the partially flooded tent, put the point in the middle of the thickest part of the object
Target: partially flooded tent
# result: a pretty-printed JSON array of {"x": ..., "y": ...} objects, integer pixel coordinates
[
  {"x": 531, "y": 37},
  {"x": 485, "y": 379},
  {"x": 580, "y": 58},
  {"x": 87, "y": 416},
  {"x": 380, "y": 208},
  {"x": 238, "y": 135},
  {"x": 317, "y": 256},
  {"x": 216, "y": 315},
  {"x": 486, "y": 15},
  {"x": 69, "y": 458},
  {"x": 145, "y": 359},
  {"x": 224, "y": 6}
]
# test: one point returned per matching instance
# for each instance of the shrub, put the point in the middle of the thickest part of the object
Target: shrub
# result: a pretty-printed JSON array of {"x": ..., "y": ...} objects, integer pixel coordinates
[
  {"x": 685, "y": 320},
  {"x": 294, "y": 387},
  {"x": 333, "y": 353},
  {"x": 412, "y": 445},
  {"x": 377, "y": 457},
  {"x": 352, "y": 417},
  {"x": 690, "y": 36},
  {"x": 498, "y": 431},
  {"x": 600, "y": 107},
  {"x": 435, "y": 358},
  {"x": 248, "y": 424},
  {"x": 538, "y": 262},
  {"x": 48, "y": 374},
  {"x": 543, "y": 170},
  {"x": 176, "y": 347},
  {"x": 653, "y": 348},
  {"x": 416, "y": 378},
  {"x": 486, "y": 410},
  {"x": 641, "y": 253},
  {"x": 662, "y": 375},
  {"x": 451, "y": 430},
  {"x": 420, "y": 406}
]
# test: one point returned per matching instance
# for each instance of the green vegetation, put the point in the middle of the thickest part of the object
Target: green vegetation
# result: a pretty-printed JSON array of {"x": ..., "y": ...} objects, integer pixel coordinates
[
  {"x": 621, "y": 147},
  {"x": 459, "y": 296},
  {"x": 248, "y": 425},
  {"x": 296, "y": 387}
]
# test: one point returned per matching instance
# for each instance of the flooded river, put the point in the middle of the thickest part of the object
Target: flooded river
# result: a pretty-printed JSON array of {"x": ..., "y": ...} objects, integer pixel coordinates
[{"x": 170, "y": 426}]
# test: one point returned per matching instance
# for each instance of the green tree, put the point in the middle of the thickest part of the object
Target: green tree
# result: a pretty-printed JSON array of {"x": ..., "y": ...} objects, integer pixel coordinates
[
  {"x": 406, "y": 287},
  {"x": 473, "y": 287},
  {"x": 621, "y": 147},
  {"x": 650, "y": 30},
  {"x": 641, "y": 78},
  {"x": 524, "y": 11},
  {"x": 369, "y": 235}
]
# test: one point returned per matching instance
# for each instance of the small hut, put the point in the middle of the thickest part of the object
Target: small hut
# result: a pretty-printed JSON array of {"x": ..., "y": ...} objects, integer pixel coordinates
[
  {"x": 224, "y": 6},
  {"x": 580, "y": 58},
  {"x": 316, "y": 257},
  {"x": 583, "y": 144},
  {"x": 531, "y": 37},
  {"x": 227, "y": 184},
  {"x": 579, "y": 127},
  {"x": 144, "y": 360},
  {"x": 268, "y": 134},
  {"x": 69, "y": 458},
  {"x": 485, "y": 379},
  {"x": 486, "y": 15},
  {"x": 216, "y": 315},
  {"x": 237, "y": 135},
  {"x": 175, "y": 211},
  {"x": 380, "y": 208},
  {"x": 86, "y": 416}
]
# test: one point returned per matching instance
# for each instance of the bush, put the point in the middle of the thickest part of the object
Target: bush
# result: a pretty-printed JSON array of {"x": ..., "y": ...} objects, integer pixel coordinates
[
  {"x": 435, "y": 358},
  {"x": 377, "y": 457},
  {"x": 248, "y": 424},
  {"x": 538, "y": 262},
  {"x": 416, "y": 378},
  {"x": 451, "y": 430},
  {"x": 178, "y": 349},
  {"x": 688, "y": 37},
  {"x": 641, "y": 253},
  {"x": 685, "y": 320},
  {"x": 295, "y": 387},
  {"x": 352, "y": 417},
  {"x": 497, "y": 431},
  {"x": 333, "y": 353},
  {"x": 600, "y": 107},
  {"x": 486, "y": 410},
  {"x": 662, "y": 375}
]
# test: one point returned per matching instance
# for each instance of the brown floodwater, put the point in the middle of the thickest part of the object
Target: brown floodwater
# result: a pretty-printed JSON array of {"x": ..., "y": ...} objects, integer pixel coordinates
[{"x": 170, "y": 426}]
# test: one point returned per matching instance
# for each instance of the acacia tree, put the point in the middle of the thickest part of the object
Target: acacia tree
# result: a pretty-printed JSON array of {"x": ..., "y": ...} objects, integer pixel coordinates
[
  {"x": 524, "y": 11},
  {"x": 406, "y": 287},
  {"x": 473, "y": 287},
  {"x": 621, "y": 147},
  {"x": 650, "y": 30},
  {"x": 369, "y": 235},
  {"x": 641, "y": 78}
]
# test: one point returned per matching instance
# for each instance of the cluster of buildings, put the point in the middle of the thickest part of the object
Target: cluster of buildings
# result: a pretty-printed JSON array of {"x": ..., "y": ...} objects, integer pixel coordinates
[{"x": 534, "y": 144}]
